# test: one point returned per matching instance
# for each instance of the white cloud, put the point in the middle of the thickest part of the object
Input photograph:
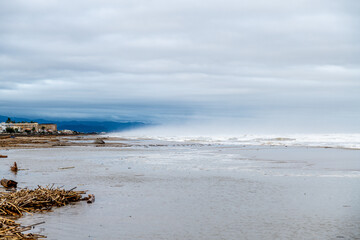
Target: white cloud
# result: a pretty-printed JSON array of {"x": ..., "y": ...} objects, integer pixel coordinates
[{"x": 176, "y": 58}]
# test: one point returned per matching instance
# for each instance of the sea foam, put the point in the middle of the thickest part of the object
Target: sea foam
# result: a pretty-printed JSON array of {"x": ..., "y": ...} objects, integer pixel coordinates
[{"x": 348, "y": 141}]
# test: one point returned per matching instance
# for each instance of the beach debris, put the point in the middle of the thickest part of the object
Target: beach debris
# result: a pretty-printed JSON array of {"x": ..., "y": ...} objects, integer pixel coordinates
[
  {"x": 10, "y": 230},
  {"x": 99, "y": 141},
  {"x": 6, "y": 183},
  {"x": 36, "y": 200},
  {"x": 62, "y": 168},
  {"x": 60, "y": 144},
  {"x": 3, "y": 156},
  {"x": 15, "y": 204},
  {"x": 14, "y": 167},
  {"x": 90, "y": 198}
]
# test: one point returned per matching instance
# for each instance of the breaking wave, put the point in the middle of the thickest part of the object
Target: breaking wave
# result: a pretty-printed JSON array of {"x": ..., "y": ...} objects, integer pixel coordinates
[{"x": 348, "y": 141}]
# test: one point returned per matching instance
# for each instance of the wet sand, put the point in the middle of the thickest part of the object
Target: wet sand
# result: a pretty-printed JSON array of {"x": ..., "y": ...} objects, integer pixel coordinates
[
  {"x": 49, "y": 141},
  {"x": 160, "y": 190}
]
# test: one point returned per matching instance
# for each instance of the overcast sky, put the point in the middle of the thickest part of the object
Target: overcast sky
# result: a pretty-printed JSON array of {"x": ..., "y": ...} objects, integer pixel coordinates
[{"x": 293, "y": 62}]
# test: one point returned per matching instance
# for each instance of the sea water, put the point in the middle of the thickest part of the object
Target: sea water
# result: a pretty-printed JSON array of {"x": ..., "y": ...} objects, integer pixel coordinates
[{"x": 199, "y": 188}]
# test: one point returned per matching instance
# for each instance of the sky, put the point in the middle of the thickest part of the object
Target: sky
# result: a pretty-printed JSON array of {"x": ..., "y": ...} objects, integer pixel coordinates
[{"x": 275, "y": 65}]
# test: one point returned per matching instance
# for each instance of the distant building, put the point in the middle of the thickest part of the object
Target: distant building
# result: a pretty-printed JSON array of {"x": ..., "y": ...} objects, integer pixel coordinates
[
  {"x": 22, "y": 127},
  {"x": 48, "y": 127},
  {"x": 33, "y": 127},
  {"x": 2, "y": 127}
]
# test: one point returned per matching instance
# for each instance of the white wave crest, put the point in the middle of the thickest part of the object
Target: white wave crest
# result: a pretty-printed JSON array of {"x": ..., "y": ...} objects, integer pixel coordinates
[{"x": 349, "y": 141}]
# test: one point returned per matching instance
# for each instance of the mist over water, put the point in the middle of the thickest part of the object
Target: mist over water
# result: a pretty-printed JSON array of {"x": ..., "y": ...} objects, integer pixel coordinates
[
  {"x": 227, "y": 123},
  {"x": 231, "y": 132}
]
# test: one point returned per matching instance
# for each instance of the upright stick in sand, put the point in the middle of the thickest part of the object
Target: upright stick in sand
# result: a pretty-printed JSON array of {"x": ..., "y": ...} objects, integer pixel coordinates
[{"x": 14, "y": 167}]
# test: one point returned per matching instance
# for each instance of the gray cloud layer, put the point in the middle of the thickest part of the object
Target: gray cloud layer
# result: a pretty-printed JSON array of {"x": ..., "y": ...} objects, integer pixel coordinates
[{"x": 157, "y": 59}]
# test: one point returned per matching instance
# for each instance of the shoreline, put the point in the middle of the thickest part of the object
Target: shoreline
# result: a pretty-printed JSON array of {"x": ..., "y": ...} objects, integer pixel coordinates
[
  {"x": 51, "y": 141},
  {"x": 26, "y": 141}
]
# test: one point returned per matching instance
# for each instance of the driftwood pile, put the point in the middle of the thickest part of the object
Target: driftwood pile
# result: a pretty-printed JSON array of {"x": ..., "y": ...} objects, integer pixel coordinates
[
  {"x": 28, "y": 201},
  {"x": 10, "y": 230},
  {"x": 37, "y": 200}
]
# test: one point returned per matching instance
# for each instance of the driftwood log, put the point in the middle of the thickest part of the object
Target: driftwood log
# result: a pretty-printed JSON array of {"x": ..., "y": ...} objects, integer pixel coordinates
[
  {"x": 99, "y": 141},
  {"x": 3, "y": 156},
  {"x": 6, "y": 183}
]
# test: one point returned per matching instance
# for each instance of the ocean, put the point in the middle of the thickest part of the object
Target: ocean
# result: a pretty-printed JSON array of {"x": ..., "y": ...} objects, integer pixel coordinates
[{"x": 200, "y": 187}]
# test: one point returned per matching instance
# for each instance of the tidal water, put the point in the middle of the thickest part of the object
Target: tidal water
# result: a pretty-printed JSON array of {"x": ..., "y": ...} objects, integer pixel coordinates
[{"x": 166, "y": 189}]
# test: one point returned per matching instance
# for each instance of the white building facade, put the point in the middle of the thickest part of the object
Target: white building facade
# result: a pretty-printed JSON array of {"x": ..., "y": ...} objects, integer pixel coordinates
[{"x": 3, "y": 126}]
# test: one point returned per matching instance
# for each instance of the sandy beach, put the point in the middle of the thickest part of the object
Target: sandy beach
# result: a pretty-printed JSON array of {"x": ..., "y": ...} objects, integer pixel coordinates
[{"x": 151, "y": 189}]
